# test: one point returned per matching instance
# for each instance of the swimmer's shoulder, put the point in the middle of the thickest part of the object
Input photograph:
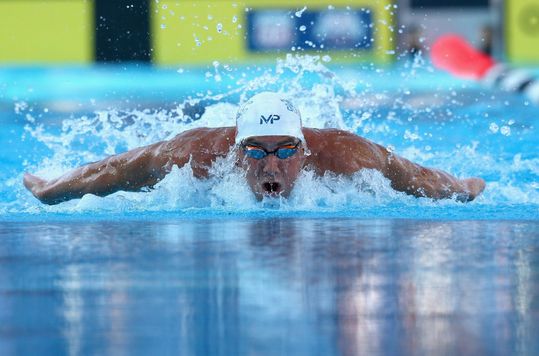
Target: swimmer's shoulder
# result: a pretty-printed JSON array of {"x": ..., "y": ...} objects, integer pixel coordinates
[
  {"x": 207, "y": 133},
  {"x": 206, "y": 136},
  {"x": 204, "y": 142},
  {"x": 342, "y": 151},
  {"x": 199, "y": 146}
]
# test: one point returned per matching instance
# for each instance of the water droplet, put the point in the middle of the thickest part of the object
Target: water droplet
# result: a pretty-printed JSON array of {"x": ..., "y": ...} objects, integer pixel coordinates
[
  {"x": 493, "y": 127},
  {"x": 300, "y": 12},
  {"x": 234, "y": 19},
  {"x": 302, "y": 28},
  {"x": 163, "y": 26},
  {"x": 505, "y": 130},
  {"x": 219, "y": 27},
  {"x": 412, "y": 136}
]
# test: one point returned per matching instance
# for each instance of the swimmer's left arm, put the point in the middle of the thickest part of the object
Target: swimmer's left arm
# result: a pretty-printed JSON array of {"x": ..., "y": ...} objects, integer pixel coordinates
[
  {"x": 356, "y": 153},
  {"x": 420, "y": 181}
]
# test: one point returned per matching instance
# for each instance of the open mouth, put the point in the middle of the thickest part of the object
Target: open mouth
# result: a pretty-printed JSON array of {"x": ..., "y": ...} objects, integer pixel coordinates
[{"x": 271, "y": 188}]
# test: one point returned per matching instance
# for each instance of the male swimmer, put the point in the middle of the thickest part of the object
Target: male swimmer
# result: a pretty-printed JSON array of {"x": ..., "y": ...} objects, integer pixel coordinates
[{"x": 270, "y": 145}]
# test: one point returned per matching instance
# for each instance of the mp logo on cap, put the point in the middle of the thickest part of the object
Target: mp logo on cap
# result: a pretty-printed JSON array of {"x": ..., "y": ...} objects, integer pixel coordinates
[{"x": 270, "y": 119}]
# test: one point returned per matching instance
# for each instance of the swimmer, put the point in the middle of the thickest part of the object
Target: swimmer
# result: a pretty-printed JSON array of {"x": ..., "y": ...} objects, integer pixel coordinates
[
  {"x": 270, "y": 145},
  {"x": 455, "y": 55}
]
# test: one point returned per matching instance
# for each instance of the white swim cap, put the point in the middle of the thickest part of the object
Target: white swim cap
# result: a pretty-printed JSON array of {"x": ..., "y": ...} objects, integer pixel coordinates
[{"x": 268, "y": 114}]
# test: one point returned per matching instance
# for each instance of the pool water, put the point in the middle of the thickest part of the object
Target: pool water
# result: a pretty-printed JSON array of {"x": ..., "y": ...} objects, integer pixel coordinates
[
  {"x": 269, "y": 286},
  {"x": 344, "y": 266}
]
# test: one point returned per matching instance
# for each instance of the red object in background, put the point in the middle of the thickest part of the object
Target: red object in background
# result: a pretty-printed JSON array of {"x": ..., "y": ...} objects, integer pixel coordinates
[{"x": 453, "y": 54}]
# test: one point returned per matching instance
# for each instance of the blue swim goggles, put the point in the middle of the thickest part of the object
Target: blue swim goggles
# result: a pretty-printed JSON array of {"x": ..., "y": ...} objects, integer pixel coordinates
[{"x": 258, "y": 152}]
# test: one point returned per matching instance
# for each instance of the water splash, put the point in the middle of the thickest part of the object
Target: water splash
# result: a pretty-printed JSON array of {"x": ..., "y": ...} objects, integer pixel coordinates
[{"x": 414, "y": 124}]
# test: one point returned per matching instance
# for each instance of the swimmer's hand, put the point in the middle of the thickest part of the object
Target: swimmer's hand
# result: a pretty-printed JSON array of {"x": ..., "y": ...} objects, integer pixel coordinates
[
  {"x": 46, "y": 191},
  {"x": 38, "y": 187},
  {"x": 473, "y": 187}
]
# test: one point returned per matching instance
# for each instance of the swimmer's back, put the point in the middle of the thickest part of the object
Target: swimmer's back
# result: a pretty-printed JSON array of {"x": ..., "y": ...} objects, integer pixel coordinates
[{"x": 342, "y": 152}]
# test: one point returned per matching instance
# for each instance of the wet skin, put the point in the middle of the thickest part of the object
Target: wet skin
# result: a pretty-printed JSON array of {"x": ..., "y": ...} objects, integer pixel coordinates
[{"x": 324, "y": 150}]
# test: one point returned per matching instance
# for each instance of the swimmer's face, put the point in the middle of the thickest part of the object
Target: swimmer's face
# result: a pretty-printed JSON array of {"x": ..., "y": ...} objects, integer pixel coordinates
[{"x": 271, "y": 175}]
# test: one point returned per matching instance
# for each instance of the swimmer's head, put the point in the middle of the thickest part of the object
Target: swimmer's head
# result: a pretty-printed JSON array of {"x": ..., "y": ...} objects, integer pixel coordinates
[
  {"x": 271, "y": 144},
  {"x": 268, "y": 114}
]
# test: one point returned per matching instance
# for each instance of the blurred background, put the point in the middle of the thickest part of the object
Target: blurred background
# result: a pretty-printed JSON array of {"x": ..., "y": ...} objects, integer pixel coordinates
[{"x": 172, "y": 32}]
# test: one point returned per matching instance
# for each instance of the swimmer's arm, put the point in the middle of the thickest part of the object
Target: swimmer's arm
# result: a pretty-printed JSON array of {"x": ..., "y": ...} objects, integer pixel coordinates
[
  {"x": 129, "y": 171},
  {"x": 413, "y": 179}
]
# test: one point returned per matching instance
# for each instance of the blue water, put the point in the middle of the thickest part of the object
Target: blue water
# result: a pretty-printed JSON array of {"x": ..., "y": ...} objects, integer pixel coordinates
[
  {"x": 345, "y": 266},
  {"x": 269, "y": 286}
]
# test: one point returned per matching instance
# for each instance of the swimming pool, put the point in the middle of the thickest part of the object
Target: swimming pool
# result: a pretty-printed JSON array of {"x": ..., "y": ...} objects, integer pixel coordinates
[
  {"x": 56, "y": 119},
  {"x": 344, "y": 266}
]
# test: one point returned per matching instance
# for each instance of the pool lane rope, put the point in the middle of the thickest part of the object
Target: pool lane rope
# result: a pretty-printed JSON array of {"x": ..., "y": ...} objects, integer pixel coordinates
[{"x": 455, "y": 55}]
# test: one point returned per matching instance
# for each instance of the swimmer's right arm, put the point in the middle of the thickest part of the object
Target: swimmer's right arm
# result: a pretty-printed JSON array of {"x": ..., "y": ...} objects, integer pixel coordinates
[{"x": 129, "y": 171}]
